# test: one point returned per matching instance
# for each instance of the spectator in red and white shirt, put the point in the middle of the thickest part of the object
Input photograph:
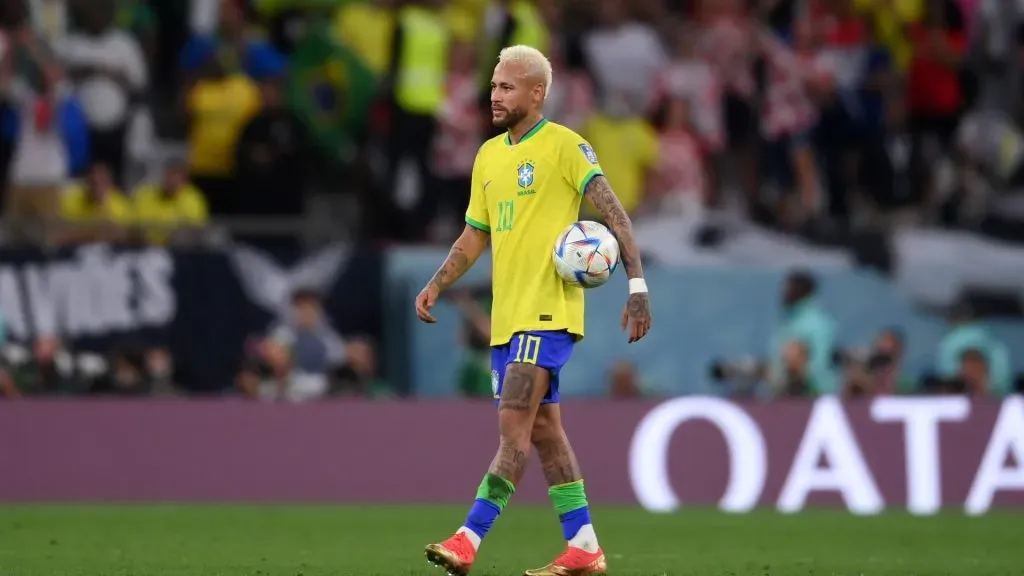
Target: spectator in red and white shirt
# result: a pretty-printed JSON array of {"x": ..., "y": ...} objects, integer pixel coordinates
[
  {"x": 728, "y": 43},
  {"x": 460, "y": 131},
  {"x": 797, "y": 82},
  {"x": 690, "y": 77},
  {"x": 678, "y": 182}
]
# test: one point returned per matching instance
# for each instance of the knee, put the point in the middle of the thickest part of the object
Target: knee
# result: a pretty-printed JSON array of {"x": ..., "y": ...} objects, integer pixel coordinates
[
  {"x": 544, "y": 430},
  {"x": 513, "y": 425}
]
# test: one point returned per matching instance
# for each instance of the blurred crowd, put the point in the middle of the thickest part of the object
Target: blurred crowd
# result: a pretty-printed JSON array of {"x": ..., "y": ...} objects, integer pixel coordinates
[
  {"x": 804, "y": 358},
  {"x": 134, "y": 121},
  {"x": 793, "y": 112}
]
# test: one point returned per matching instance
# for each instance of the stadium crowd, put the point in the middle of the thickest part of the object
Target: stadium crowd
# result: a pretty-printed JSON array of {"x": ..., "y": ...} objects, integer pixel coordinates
[{"x": 140, "y": 122}]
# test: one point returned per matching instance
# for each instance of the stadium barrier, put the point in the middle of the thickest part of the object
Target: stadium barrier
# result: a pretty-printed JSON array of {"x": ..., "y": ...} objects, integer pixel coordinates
[
  {"x": 202, "y": 303},
  {"x": 918, "y": 453}
]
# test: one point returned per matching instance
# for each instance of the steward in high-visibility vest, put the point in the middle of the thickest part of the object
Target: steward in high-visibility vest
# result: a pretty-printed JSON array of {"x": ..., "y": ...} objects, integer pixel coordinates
[{"x": 421, "y": 61}]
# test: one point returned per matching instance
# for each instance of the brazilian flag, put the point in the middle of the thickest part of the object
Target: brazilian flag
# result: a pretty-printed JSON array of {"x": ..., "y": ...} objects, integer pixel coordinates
[{"x": 330, "y": 89}]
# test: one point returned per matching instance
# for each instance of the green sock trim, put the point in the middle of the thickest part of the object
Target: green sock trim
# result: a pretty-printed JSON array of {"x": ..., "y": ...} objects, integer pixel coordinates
[
  {"x": 568, "y": 497},
  {"x": 495, "y": 490}
]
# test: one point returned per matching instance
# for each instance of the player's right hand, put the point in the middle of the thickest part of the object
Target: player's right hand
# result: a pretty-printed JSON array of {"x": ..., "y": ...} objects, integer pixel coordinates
[{"x": 425, "y": 300}]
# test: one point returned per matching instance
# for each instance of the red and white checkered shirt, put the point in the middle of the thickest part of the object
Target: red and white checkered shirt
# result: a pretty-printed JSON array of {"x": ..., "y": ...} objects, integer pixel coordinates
[
  {"x": 696, "y": 81},
  {"x": 726, "y": 45},
  {"x": 460, "y": 128},
  {"x": 788, "y": 108},
  {"x": 680, "y": 169}
]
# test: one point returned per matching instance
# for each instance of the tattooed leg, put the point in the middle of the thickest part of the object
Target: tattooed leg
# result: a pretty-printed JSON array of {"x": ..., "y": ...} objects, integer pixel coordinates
[
  {"x": 565, "y": 482},
  {"x": 557, "y": 459},
  {"x": 523, "y": 388}
]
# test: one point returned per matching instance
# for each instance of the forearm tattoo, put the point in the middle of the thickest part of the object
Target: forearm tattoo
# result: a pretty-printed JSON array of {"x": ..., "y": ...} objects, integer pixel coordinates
[
  {"x": 607, "y": 204},
  {"x": 454, "y": 266},
  {"x": 460, "y": 258},
  {"x": 557, "y": 460}
]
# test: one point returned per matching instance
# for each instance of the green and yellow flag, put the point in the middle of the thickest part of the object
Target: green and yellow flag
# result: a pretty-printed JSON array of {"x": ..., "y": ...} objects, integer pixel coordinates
[{"x": 330, "y": 89}]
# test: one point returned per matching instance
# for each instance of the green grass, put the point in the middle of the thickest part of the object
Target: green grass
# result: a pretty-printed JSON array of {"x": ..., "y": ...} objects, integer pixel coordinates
[{"x": 197, "y": 540}]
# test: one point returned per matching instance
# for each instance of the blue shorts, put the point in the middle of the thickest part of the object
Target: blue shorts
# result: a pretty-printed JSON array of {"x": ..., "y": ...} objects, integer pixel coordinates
[{"x": 549, "y": 349}]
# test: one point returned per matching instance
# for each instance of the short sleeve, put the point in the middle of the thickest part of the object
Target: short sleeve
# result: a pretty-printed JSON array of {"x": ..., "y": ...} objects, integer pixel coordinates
[
  {"x": 476, "y": 213},
  {"x": 579, "y": 162}
]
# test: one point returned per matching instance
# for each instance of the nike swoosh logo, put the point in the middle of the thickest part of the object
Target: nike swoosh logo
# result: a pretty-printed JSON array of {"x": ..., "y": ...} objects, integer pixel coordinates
[{"x": 486, "y": 184}]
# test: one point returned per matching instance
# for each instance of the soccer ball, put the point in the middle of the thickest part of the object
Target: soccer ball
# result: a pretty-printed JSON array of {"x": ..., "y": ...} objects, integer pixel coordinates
[{"x": 586, "y": 253}]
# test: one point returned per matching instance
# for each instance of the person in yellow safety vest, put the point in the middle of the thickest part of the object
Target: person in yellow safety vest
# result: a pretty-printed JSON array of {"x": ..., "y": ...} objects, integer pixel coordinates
[
  {"x": 509, "y": 23},
  {"x": 419, "y": 63}
]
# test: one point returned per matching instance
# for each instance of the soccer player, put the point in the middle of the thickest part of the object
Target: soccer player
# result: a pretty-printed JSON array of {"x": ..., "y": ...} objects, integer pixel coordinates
[{"x": 527, "y": 186}]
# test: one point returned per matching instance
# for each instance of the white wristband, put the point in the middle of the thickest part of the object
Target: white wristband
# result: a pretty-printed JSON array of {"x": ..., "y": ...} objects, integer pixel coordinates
[{"x": 637, "y": 286}]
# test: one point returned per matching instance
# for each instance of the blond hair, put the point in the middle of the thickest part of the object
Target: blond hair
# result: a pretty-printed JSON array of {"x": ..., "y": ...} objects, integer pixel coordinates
[{"x": 535, "y": 63}]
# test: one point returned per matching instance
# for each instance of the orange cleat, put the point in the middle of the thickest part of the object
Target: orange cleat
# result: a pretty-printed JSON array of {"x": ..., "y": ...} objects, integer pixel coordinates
[
  {"x": 574, "y": 562},
  {"x": 455, "y": 555}
]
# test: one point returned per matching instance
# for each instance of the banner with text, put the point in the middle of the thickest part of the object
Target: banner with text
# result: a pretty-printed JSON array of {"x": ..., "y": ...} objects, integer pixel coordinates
[
  {"x": 202, "y": 303},
  {"x": 920, "y": 454}
]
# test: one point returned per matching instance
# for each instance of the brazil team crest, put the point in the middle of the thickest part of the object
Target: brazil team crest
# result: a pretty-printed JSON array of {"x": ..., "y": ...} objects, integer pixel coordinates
[
  {"x": 588, "y": 151},
  {"x": 524, "y": 173},
  {"x": 494, "y": 382}
]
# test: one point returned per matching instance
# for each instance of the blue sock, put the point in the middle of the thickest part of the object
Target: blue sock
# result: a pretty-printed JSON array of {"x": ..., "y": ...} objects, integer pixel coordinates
[
  {"x": 573, "y": 521},
  {"x": 570, "y": 502},
  {"x": 491, "y": 498},
  {"x": 482, "y": 516}
]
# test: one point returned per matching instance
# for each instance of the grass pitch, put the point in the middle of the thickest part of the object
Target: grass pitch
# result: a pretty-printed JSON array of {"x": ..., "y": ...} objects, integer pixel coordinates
[{"x": 198, "y": 540}]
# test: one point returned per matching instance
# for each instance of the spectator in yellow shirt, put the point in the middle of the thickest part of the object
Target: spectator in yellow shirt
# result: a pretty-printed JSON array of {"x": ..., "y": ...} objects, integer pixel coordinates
[
  {"x": 891, "y": 18},
  {"x": 367, "y": 28},
  {"x": 173, "y": 204},
  {"x": 95, "y": 210},
  {"x": 219, "y": 109},
  {"x": 627, "y": 146}
]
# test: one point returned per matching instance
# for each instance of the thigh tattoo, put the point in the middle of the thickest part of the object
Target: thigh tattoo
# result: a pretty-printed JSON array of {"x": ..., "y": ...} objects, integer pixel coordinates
[{"x": 517, "y": 390}]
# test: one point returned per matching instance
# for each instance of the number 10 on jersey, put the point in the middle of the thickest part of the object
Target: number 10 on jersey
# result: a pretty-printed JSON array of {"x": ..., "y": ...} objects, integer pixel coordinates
[{"x": 506, "y": 215}]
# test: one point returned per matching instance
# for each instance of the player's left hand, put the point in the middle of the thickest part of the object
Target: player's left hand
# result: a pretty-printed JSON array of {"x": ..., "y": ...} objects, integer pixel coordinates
[{"x": 636, "y": 316}]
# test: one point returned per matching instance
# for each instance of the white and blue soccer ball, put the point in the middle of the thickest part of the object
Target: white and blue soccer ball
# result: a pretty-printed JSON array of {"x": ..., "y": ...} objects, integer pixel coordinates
[{"x": 586, "y": 254}]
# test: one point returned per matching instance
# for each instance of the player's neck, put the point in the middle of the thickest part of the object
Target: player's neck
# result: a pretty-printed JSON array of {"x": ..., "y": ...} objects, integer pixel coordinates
[{"x": 524, "y": 127}]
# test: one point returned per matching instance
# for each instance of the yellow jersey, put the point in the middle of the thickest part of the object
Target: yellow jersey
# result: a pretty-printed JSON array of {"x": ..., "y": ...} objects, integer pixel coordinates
[
  {"x": 158, "y": 213},
  {"x": 524, "y": 195},
  {"x": 630, "y": 148},
  {"x": 75, "y": 206},
  {"x": 220, "y": 110}
]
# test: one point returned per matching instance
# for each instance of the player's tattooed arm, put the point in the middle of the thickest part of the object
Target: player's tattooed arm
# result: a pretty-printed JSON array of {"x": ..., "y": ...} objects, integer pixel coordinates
[
  {"x": 607, "y": 204},
  {"x": 464, "y": 253},
  {"x": 637, "y": 315}
]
